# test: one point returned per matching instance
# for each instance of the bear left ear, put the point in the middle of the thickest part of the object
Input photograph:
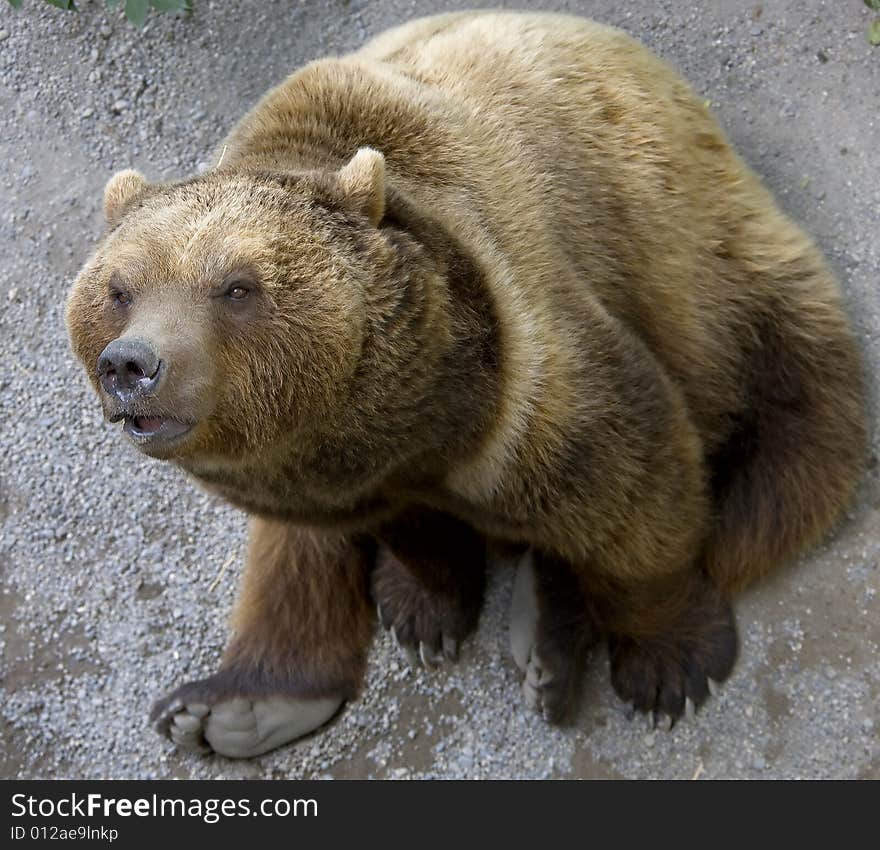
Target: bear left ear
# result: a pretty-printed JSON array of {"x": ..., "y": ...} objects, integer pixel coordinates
[
  {"x": 362, "y": 181},
  {"x": 121, "y": 191}
]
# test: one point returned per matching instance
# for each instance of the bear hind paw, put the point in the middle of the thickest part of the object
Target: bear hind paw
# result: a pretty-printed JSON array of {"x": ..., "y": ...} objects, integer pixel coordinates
[{"x": 237, "y": 726}]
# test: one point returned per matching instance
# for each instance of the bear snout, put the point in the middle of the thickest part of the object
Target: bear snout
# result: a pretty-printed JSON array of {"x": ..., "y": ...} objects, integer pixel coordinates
[{"x": 129, "y": 369}]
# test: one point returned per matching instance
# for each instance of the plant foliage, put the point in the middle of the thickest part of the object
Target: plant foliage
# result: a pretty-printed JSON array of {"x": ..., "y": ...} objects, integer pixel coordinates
[{"x": 135, "y": 10}]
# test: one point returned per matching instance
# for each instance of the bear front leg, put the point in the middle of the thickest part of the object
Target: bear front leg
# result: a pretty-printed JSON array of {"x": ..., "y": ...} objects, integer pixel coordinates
[
  {"x": 428, "y": 583},
  {"x": 302, "y": 627}
]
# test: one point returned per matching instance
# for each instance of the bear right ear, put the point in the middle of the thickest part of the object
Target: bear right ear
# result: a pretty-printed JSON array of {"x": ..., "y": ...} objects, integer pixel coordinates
[
  {"x": 121, "y": 191},
  {"x": 362, "y": 182}
]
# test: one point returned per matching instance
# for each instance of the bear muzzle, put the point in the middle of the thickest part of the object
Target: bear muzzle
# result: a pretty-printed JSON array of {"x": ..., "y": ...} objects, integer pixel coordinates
[
  {"x": 130, "y": 374},
  {"x": 129, "y": 368}
]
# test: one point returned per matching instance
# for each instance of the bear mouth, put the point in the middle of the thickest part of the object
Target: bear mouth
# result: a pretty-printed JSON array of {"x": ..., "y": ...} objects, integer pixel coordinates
[{"x": 154, "y": 430}]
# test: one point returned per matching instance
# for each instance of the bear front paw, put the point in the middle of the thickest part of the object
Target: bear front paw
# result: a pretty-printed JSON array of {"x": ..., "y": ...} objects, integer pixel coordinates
[
  {"x": 428, "y": 625},
  {"x": 673, "y": 674},
  {"x": 205, "y": 717}
]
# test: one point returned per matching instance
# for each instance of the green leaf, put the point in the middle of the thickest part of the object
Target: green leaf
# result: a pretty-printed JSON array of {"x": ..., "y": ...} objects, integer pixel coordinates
[
  {"x": 113, "y": 3},
  {"x": 136, "y": 11},
  {"x": 169, "y": 5},
  {"x": 873, "y": 4},
  {"x": 16, "y": 4},
  {"x": 874, "y": 32},
  {"x": 62, "y": 4}
]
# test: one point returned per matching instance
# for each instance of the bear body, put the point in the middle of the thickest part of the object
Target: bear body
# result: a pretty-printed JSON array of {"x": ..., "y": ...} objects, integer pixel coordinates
[{"x": 494, "y": 278}]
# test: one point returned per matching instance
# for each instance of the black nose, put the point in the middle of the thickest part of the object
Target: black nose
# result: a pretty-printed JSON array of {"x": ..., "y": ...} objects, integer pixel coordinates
[{"x": 128, "y": 365}]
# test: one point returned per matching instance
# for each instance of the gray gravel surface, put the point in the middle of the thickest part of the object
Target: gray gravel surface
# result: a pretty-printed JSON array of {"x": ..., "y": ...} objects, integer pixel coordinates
[{"x": 117, "y": 574}]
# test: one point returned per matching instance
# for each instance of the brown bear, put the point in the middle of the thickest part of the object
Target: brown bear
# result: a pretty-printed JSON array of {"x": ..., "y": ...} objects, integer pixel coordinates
[{"x": 494, "y": 279}]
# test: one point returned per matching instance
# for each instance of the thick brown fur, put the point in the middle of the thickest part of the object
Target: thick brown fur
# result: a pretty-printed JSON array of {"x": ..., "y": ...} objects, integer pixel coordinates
[
  {"x": 282, "y": 620},
  {"x": 549, "y": 300}
]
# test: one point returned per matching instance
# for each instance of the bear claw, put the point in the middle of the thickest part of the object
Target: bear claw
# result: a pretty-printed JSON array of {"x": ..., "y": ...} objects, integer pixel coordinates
[
  {"x": 451, "y": 648},
  {"x": 430, "y": 660},
  {"x": 423, "y": 656}
]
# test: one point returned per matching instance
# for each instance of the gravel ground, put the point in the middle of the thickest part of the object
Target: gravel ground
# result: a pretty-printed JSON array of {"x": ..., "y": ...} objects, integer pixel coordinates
[{"x": 117, "y": 574}]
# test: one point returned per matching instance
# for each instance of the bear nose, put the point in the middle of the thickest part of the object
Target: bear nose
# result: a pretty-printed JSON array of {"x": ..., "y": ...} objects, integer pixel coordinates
[{"x": 126, "y": 365}]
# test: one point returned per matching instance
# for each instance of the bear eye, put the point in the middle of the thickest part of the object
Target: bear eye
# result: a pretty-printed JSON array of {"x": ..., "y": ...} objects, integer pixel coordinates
[
  {"x": 237, "y": 292},
  {"x": 237, "y": 286},
  {"x": 120, "y": 297}
]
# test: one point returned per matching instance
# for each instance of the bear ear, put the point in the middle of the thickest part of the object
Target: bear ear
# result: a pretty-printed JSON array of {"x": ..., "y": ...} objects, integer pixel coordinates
[
  {"x": 121, "y": 191},
  {"x": 362, "y": 181}
]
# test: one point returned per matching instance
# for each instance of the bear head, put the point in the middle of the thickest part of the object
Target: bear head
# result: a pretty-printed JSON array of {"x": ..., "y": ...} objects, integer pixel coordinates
[{"x": 223, "y": 314}]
